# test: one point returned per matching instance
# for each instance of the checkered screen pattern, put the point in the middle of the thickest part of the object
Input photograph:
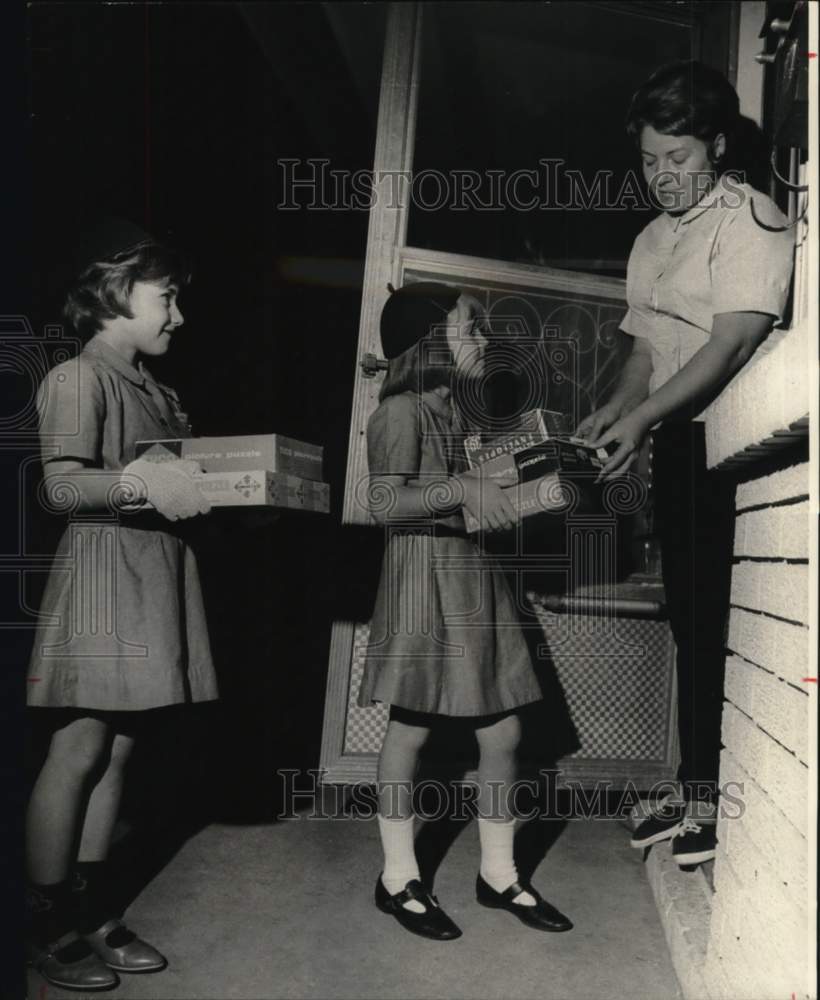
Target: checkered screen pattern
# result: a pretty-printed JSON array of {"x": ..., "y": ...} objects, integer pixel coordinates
[
  {"x": 616, "y": 675},
  {"x": 365, "y": 727}
]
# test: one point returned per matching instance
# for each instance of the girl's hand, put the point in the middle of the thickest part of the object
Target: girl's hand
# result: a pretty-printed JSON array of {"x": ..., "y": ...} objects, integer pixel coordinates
[
  {"x": 628, "y": 433},
  {"x": 597, "y": 422},
  {"x": 486, "y": 501},
  {"x": 170, "y": 487}
]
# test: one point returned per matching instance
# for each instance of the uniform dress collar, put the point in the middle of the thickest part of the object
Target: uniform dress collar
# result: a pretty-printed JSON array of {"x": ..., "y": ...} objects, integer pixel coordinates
[
  {"x": 445, "y": 408},
  {"x": 138, "y": 374},
  {"x": 438, "y": 403}
]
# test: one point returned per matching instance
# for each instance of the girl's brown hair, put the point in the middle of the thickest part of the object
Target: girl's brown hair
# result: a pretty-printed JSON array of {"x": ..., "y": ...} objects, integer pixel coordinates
[
  {"x": 103, "y": 289},
  {"x": 424, "y": 366}
]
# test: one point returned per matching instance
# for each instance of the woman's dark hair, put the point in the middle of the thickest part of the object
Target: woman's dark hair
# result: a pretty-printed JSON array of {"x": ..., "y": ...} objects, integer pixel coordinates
[
  {"x": 688, "y": 98},
  {"x": 104, "y": 287}
]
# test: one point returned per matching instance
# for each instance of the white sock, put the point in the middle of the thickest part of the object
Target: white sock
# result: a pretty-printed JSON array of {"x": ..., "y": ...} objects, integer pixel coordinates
[
  {"x": 497, "y": 866},
  {"x": 400, "y": 865}
]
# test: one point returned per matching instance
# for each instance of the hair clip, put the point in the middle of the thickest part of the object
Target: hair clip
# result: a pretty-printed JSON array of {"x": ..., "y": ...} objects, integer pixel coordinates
[{"x": 390, "y": 288}]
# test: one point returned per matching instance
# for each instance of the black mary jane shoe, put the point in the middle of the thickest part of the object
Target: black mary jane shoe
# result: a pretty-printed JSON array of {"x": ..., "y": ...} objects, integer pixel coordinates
[
  {"x": 70, "y": 964},
  {"x": 123, "y": 951},
  {"x": 543, "y": 916},
  {"x": 433, "y": 923}
]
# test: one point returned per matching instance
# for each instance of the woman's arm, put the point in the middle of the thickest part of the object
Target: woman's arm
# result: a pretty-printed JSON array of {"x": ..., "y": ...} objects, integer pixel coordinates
[
  {"x": 734, "y": 339},
  {"x": 631, "y": 390},
  {"x": 633, "y": 385}
]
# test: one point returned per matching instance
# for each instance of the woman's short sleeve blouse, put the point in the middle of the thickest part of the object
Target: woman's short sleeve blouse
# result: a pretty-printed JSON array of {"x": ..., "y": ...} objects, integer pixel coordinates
[{"x": 732, "y": 252}]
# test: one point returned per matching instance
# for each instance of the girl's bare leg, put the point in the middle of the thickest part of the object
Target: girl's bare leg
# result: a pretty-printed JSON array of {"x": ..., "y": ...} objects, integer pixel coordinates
[
  {"x": 91, "y": 885},
  {"x": 53, "y": 821},
  {"x": 497, "y": 767},
  {"x": 398, "y": 762},
  {"x": 57, "y": 802},
  {"x": 104, "y": 803}
]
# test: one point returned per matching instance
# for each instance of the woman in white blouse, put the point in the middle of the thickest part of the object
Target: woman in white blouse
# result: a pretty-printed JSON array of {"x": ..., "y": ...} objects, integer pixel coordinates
[{"x": 706, "y": 281}]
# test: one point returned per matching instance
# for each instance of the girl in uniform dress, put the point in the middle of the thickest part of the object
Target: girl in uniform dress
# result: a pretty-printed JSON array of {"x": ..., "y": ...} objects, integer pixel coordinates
[
  {"x": 706, "y": 281},
  {"x": 445, "y": 640},
  {"x": 123, "y": 628}
]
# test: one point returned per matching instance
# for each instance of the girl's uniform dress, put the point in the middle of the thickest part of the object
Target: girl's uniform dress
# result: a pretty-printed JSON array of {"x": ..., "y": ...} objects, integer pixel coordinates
[
  {"x": 445, "y": 637},
  {"x": 122, "y": 623},
  {"x": 715, "y": 258}
]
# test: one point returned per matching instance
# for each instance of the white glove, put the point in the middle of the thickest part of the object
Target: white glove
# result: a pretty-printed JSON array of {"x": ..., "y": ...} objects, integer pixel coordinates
[{"x": 168, "y": 486}]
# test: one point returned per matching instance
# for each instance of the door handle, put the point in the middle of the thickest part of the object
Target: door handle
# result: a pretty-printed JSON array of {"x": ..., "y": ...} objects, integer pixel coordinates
[
  {"x": 619, "y": 607},
  {"x": 371, "y": 365}
]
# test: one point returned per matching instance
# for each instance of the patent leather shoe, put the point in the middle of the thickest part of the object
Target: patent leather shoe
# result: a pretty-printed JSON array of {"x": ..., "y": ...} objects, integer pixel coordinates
[
  {"x": 71, "y": 965},
  {"x": 433, "y": 923},
  {"x": 122, "y": 950},
  {"x": 543, "y": 916}
]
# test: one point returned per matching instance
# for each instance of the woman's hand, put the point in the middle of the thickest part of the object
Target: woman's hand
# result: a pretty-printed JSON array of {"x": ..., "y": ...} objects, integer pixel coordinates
[
  {"x": 597, "y": 422},
  {"x": 630, "y": 392},
  {"x": 628, "y": 433},
  {"x": 485, "y": 500}
]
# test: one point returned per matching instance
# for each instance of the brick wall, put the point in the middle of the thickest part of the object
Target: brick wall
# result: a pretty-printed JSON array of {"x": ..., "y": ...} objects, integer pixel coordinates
[
  {"x": 761, "y": 940},
  {"x": 759, "y": 932},
  {"x": 762, "y": 926},
  {"x": 759, "y": 407}
]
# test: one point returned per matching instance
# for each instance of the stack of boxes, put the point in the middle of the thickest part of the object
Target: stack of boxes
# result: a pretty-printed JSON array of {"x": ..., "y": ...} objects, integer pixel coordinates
[
  {"x": 537, "y": 462},
  {"x": 257, "y": 470}
]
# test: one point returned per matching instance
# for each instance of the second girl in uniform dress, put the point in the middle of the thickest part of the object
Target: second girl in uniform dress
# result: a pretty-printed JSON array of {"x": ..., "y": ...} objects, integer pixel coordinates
[{"x": 445, "y": 639}]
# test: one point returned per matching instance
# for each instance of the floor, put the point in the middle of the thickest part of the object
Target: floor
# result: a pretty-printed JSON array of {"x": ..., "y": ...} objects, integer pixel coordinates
[{"x": 285, "y": 911}]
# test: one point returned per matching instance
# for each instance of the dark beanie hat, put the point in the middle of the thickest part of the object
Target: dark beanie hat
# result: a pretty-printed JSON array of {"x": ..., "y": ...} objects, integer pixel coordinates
[
  {"x": 412, "y": 311},
  {"x": 105, "y": 239}
]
